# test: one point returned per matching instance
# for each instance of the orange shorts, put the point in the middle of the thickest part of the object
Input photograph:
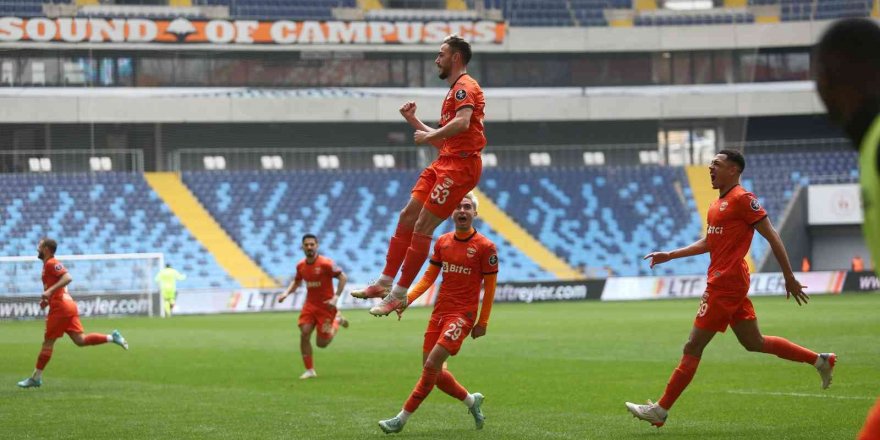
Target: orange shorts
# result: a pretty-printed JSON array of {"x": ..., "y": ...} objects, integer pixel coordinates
[
  {"x": 446, "y": 181},
  {"x": 321, "y": 317},
  {"x": 57, "y": 326},
  {"x": 718, "y": 311},
  {"x": 447, "y": 331}
]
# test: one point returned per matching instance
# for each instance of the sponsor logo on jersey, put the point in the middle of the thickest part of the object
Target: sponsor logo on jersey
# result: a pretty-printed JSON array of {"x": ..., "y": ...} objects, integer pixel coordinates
[
  {"x": 454, "y": 268},
  {"x": 313, "y": 284},
  {"x": 715, "y": 230}
]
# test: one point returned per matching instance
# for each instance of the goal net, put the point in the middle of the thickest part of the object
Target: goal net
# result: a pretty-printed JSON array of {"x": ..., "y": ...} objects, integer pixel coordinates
[{"x": 103, "y": 285}]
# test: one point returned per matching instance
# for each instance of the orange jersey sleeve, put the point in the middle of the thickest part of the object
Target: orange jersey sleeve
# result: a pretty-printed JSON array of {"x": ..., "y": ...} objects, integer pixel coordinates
[
  {"x": 489, "y": 283},
  {"x": 424, "y": 284}
]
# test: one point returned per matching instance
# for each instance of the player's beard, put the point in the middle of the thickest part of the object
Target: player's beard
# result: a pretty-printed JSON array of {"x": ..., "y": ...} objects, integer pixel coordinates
[
  {"x": 40, "y": 256},
  {"x": 444, "y": 73}
]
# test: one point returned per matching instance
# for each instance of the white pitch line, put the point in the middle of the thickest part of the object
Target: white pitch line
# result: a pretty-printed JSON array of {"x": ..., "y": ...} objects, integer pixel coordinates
[{"x": 821, "y": 396}]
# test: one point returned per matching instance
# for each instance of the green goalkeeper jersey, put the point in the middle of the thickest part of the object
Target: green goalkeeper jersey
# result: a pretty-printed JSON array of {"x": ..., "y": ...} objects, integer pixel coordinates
[{"x": 870, "y": 180}]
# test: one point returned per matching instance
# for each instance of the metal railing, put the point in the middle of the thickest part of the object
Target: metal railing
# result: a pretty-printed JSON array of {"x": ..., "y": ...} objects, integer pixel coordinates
[{"x": 72, "y": 161}]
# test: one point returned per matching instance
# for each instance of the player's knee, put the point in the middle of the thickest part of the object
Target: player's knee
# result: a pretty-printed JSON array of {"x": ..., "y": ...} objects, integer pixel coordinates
[
  {"x": 432, "y": 365},
  {"x": 755, "y": 345},
  {"x": 693, "y": 348},
  {"x": 323, "y": 343}
]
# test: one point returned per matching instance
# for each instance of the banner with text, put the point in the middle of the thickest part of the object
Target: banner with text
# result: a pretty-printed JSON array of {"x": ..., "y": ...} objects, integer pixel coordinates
[
  {"x": 861, "y": 282},
  {"x": 28, "y": 307},
  {"x": 244, "y": 32},
  {"x": 539, "y": 291},
  {"x": 635, "y": 288}
]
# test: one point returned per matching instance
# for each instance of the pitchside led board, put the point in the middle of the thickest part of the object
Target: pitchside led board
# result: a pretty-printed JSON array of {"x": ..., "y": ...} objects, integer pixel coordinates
[{"x": 245, "y": 32}]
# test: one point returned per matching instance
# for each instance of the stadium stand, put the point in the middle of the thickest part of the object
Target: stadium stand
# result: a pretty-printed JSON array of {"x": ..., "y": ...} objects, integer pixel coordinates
[
  {"x": 23, "y": 8},
  {"x": 602, "y": 216},
  {"x": 352, "y": 212},
  {"x": 774, "y": 177},
  {"x": 100, "y": 213},
  {"x": 280, "y": 9}
]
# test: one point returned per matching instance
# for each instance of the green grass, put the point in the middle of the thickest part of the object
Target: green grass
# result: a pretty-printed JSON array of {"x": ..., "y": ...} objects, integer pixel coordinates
[{"x": 559, "y": 370}]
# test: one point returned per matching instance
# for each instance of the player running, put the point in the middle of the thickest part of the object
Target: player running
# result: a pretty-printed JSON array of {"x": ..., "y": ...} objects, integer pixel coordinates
[
  {"x": 732, "y": 219},
  {"x": 467, "y": 260},
  {"x": 63, "y": 314},
  {"x": 441, "y": 185},
  {"x": 319, "y": 309}
]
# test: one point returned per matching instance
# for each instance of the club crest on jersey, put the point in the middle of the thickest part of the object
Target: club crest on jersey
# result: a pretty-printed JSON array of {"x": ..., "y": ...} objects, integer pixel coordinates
[
  {"x": 471, "y": 252},
  {"x": 460, "y": 94},
  {"x": 755, "y": 205},
  {"x": 723, "y": 206},
  {"x": 317, "y": 271},
  {"x": 493, "y": 260}
]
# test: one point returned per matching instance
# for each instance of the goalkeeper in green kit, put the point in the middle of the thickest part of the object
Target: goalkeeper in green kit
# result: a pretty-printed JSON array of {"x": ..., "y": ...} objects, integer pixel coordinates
[{"x": 167, "y": 279}]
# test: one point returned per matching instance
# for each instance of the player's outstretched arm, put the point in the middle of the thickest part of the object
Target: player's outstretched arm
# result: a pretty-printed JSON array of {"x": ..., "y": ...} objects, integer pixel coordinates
[
  {"x": 290, "y": 288},
  {"x": 489, "y": 283},
  {"x": 698, "y": 247},
  {"x": 792, "y": 286}
]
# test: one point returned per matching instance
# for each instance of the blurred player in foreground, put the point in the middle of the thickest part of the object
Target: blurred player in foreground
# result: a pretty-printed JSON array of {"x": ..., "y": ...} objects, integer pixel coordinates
[
  {"x": 733, "y": 219},
  {"x": 319, "y": 309},
  {"x": 63, "y": 314},
  {"x": 441, "y": 185},
  {"x": 848, "y": 80},
  {"x": 468, "y": 260}
]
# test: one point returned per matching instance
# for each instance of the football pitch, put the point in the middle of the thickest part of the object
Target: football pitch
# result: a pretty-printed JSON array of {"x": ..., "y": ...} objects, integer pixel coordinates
[{"x": 554, "y": 370}]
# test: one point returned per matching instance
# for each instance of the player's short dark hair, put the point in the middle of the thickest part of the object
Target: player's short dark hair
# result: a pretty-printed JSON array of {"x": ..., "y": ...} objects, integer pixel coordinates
[
  {"x": 50, "y": 244},
  {"x": 308, "y": 236},
  {"x": 736, "y": 157},
  {"x": 852, "y": 45},
  {"x": 460, "y": 45}
]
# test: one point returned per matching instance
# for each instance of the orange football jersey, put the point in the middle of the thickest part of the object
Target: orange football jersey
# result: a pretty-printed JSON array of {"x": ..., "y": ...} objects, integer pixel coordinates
[
  {"x": 464, "y": 93},
  {"x": 731, "y": 227},
  {"x": 318, "y": 277},
  {"x": 60, "y": 302},
  {"x": 463, "y": 263}
]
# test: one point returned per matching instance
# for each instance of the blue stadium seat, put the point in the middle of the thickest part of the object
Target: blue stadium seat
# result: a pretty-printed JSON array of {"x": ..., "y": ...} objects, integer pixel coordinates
[
  {"x": 354, "y": 213},
  {"x": 101, "y": 213}
]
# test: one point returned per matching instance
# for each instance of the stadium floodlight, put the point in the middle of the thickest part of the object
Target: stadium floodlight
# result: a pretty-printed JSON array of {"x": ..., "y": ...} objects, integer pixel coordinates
[
  {"x": 40, "y": 164},
  {"x": 490, "y": 160},
  {"x": 383, "y": 160},
  {"x": 329, "y": 161},
  {"x": 272, "y": 162},
  {"x": 102, "y": 163},
  {"x": 541, "y": 159}
]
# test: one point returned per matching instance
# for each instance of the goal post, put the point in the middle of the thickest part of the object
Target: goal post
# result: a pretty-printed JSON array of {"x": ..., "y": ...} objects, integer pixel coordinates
[{"x": 103, "y": 284}]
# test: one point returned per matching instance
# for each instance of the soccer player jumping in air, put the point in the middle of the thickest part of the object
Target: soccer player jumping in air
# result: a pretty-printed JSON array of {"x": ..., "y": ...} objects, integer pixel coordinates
[
  {"x": 467, "y": 260},
  {"x": 732, "y": 220},
  {"x": 442, "y": 184},
  {"x": 63, "y": 314},
  {"x": 319, "y": 309}
]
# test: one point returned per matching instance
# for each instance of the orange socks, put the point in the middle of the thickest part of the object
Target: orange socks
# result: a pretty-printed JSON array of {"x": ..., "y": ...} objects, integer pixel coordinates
[
  {"x": 415, "y": 258},
  {"x": 397, "y": 250},
  {"x": 447, "y": 383},
  {"x": 422, "y": 389},
  {"x": 43, "y": 358},
  {"x": 788, "y": 350},
  {"x": 95, "y": 339},
  {"x": 680, "y": 379},
  {"x": 307, "y": 360}
]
